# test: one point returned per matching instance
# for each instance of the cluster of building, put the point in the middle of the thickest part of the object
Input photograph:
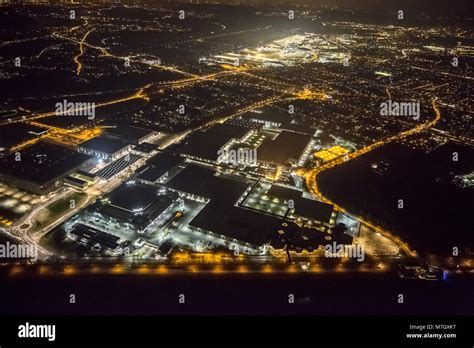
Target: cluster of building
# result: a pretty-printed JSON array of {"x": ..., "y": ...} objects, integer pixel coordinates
[
  {"x": 40, "y": 168},
  {"x": 187, "y": 195},
  {"x": 121, "y": 216},
  {"x": 44, "y": 166},
  {"x": 291, "y": 50}
]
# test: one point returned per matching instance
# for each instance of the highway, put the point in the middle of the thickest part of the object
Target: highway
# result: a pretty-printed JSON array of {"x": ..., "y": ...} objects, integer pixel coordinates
[
  {"x": 209, "y": 264},
  {"x": 81, "y": 52}
]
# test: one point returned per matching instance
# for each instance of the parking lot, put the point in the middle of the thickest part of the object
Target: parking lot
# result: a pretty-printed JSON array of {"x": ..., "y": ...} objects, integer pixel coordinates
[
  {"x": 258, "y": 199},
  {"x": 14, "y": 203}
]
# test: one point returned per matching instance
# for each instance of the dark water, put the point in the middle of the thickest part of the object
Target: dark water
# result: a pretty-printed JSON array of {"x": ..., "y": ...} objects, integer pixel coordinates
[{"x": 366, "y": 294}]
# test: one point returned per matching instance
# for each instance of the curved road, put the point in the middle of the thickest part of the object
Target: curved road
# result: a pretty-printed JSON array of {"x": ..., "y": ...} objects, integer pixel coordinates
[{"x": 312, "y": 182}]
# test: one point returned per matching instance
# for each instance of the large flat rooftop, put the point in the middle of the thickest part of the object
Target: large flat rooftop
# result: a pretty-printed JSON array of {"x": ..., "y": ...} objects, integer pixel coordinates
[
  {"x": 237, "y": 223},
  {"x": 204, "y": 182},
  {"x": 41, "y": 162},
  {"x": 303, "y": 207},
  {"x": 158, "y": 165},
  {"x": 221, "y": 215},
  {"x": 134, "y": 203},
  {"x": 95, "y": 236},
  {"x": 287, "y": 145},
  {"x": 281, "y": 117},
  {"x": 104, "y": 144},
  {"x": 129, "y": 134},
  {"x": 206, "y": 144},
  {"x": 131, "y": 196},
  {"x": 14, "y": 134}
]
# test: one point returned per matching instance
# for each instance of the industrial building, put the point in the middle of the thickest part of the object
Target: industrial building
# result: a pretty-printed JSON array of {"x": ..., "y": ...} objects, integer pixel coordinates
[
  {"x": 130, "y": 134},
  {"x": 303, "y": 208},
  {"x": 86, "y": 176},
  {"x": 40, "y": 168},
  {"x": 76, "y": 182},
  {"x": 97, "y": 240},
  {"x": 221, "y": 217},
  {"x": 159, "y": 167},
  {"x": 104, "y": 148},
  {"x": 285, "y": 149},
  {"x": 133, "y": 206},
  {"x": 15, "y": 135},
  {"x": 205, "y": 145}
]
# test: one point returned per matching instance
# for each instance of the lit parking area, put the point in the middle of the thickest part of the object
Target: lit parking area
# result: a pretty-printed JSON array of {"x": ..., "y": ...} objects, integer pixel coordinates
[
  {"x": 172, "y": 228},
  {"x": 255, "y": 140},
  {"x": 258, "y": 199},
  {"x": 14, "y": 203},
  {"x": 376, "y": 244},
  {"x": 108, "y": 226},
  {"x": 179, "y": 233},
  {"x": 201, "y": 242}
]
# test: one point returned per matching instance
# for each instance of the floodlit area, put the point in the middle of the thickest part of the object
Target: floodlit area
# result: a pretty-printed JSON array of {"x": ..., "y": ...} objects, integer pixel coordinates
[
  {"x": 288, "y": 51},
  {"x": 331, "y": 153},
  {"x": 375, "y": 243},
  {"x": 258, "y": 199},
  {"x": 14, "y": 203},
  {"x": 170, "y": 227}
]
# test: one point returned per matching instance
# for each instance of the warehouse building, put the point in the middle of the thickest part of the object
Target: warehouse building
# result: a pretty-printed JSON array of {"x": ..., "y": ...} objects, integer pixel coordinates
[
  {"x": 40, "y": 168},
  {"x": 104, "y": 148}
]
